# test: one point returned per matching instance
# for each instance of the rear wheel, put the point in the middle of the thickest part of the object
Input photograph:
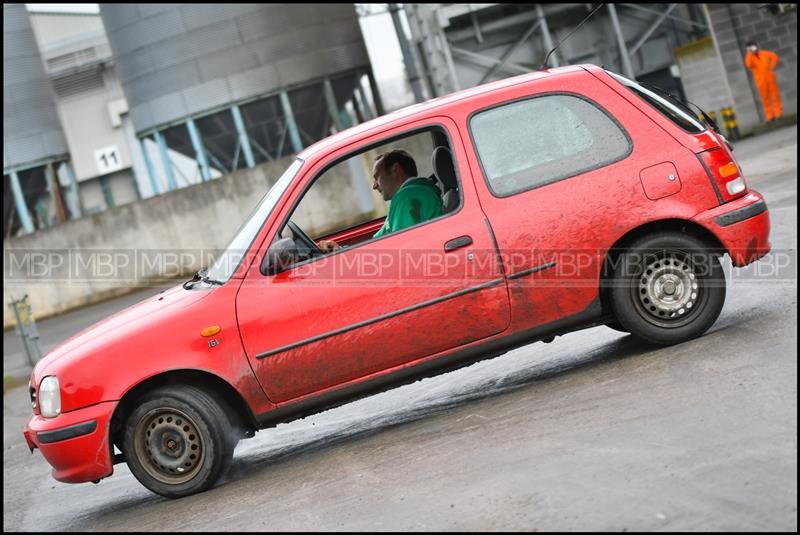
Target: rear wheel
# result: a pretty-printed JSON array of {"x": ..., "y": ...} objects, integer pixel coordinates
[
  {"x": 668, "y": 288},
  {"x": 178, "y": 441}
]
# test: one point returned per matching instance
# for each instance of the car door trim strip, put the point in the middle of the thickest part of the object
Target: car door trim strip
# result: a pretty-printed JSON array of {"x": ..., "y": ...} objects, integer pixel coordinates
[
  {"x": 388, "y": 315},
  {"x": 519, "y": 274}
]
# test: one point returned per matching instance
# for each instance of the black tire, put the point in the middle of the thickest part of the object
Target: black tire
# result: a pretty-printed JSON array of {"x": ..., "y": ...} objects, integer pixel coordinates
[
  {"x": 178, "y": 441},
  {"x": 667, "y": 288}
]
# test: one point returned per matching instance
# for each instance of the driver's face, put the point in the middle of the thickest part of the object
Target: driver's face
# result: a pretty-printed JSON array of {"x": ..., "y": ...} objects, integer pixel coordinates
[{"x": 384, "y": 180}]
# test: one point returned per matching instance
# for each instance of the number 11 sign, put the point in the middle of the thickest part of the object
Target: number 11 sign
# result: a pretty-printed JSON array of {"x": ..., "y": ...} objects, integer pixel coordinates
[{"x": 107, "y": 159}]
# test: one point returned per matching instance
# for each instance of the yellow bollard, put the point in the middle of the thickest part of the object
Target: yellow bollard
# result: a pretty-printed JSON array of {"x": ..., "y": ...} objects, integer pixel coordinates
[{"x": 729, "y": 118}]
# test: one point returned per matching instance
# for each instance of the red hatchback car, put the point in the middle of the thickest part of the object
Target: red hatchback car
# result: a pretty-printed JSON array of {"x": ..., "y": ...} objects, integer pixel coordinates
[{"x": 571, "y": 198}]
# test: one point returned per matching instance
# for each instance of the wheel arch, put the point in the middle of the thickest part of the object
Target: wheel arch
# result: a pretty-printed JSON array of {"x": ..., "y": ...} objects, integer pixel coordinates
[
  {"x": 233, "y": 403},
  {"x": 681, "y": 226}
]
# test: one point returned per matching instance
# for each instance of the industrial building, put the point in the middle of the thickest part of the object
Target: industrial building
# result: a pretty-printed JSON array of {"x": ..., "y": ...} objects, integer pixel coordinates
[
  {"x": 138, "y": 100},
  {"x": 144, "y": 99},
  {"x": 694, "y": 51}
]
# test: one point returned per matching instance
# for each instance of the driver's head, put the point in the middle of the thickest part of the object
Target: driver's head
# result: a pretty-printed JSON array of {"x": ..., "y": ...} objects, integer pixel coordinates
[{"x": 390, "y": 170}]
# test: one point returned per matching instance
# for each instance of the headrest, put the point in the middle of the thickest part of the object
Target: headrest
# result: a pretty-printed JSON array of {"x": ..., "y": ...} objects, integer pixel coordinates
[{"x": 444, "y": 168}]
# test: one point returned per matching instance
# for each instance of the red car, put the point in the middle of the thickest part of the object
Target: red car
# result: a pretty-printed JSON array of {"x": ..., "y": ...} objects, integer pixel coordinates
[{"x": 571, "y": 198}]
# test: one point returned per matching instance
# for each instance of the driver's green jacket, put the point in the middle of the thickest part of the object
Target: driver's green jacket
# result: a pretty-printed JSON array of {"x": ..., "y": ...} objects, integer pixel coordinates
[{"x": 416, "y": 201}]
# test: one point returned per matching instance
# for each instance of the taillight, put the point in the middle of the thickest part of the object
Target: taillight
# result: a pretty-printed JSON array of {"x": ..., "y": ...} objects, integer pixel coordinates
[{"x": 724, "y": 173}]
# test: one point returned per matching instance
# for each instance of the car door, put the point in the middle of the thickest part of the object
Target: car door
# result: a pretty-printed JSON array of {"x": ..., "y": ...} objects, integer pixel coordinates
[{"x": 378, "y": 306}]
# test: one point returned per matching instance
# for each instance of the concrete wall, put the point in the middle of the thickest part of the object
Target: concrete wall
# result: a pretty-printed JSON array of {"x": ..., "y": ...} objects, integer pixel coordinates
[
  {"x": 733, "y": 25},
  {"x": 703, "y": 76},
  {"x": 202, "y": 216},
  {"x": 55, "y": 28}
]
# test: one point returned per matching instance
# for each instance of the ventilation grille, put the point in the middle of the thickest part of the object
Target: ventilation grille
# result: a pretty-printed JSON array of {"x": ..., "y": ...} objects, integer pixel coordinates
[{"x": 79, "y": 82}]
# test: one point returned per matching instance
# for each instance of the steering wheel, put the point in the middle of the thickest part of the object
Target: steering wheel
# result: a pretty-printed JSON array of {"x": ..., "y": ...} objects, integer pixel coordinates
[{"x": 302, "y": 237}]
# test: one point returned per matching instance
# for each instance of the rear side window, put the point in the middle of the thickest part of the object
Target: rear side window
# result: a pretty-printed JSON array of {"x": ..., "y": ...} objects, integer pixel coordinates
[
  {"x": 534, "y": 142},
  {"x": 670, "y": 108}
]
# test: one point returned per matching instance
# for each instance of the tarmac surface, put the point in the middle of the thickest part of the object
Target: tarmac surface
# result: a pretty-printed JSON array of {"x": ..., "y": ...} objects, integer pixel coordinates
[{"x": 595, "y": 431}]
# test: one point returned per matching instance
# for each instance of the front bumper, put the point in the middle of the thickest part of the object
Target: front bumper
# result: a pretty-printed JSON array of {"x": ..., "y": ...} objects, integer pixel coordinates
[
  {"x": 742, "y": 226},
  {"x": 76, "y": 443}
]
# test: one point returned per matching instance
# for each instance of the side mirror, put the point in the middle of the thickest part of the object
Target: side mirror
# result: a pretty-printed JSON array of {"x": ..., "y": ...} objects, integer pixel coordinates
[{"x": 280, "y": 255}]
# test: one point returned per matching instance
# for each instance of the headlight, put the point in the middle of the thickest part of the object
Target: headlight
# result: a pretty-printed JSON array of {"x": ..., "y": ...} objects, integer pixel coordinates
[{"x": 50, "y": 397}]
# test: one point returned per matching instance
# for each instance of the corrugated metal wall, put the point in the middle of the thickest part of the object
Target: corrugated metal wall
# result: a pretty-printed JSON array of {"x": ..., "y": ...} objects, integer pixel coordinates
[
  {"x": 175, "y": 60},
  {"x": 31, "y": 128}
]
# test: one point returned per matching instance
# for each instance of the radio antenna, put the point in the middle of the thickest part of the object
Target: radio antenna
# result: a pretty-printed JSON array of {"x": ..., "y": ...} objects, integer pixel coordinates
[{"x": 547, "y": 57}]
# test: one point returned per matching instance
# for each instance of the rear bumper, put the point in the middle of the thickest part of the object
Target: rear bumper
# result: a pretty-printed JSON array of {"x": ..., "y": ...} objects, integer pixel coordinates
[
  {"x": 742, "y": 226},
  {"x": 76, "y": 444}
]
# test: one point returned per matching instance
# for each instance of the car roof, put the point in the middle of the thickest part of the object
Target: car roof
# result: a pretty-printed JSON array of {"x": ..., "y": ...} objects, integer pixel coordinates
[{"x": 430, "y": 107}]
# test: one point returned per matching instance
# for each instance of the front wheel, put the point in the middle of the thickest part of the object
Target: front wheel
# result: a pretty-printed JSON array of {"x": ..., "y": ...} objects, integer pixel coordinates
[
  {"x": 668, "y": 288},
  {"x": 178, "y": 441}
]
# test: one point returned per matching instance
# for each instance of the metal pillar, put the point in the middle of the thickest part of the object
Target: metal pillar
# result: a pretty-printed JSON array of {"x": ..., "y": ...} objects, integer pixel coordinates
[
  {"x": 19, "y": 200},
  {"x": 244, "y": 140},
  {"x": 364, "y": 101},
  {"x": 55, "y": 191},
  {"x": 165, "y": 161},
  {"x": 73, "y": 189},
  {"x": 408, "y": 55},
  {"x": 627, "y": 68},
  {"x": 376, "y": 96},
  {"x": 107, "y": 194},
  {"x": 646, "y": 35},
  {"x": 485, "y": 60},
  {"x": 444, "y": 47},
  {"x": 294, "y": 133},
  {"x": 197, "y": 144},
  {"x": 357, "y": 107},
  {"x": 692, "y": 23},
  {"x": 150, "y": 171},
  {"x": 477, "y": 27},
  {"x": 548, "y": 39},
  {"x": 511, "y": 50},
  {"x": 425, "y": 27},
  {"x": 330, "y": 100}
]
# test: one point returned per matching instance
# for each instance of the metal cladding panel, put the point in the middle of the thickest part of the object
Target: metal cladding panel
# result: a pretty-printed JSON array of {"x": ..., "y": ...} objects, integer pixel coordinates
[
  {"x": 198, "y": 98},
  {"x": 217, "y": 64},
  {"x": 134, "y": 66},
  {"x": 148, "y": 10},
  {"x": 318, "y": 63},
  {"x": 141, "y": 115},
  {"x": 170, "y": 80},
  {"x": 213, "y": 54},
  {"x": 205, "y": 14},
  {"x": 141, "y": 35},
  {"x": 119, "y": 16},
  {"x": 200, "y": 44},
  {"x": 168, "y": 108},
  {"x": 31, "y": 127},
  {"x": 261, "y": 80}
]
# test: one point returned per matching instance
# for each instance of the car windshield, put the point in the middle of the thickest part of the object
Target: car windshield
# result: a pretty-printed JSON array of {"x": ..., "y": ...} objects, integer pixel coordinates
[{"x": 224, "y": 266}]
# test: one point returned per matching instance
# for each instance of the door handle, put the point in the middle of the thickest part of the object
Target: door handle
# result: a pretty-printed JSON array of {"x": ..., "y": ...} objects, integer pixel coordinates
[{"x": 457, "y": 243}]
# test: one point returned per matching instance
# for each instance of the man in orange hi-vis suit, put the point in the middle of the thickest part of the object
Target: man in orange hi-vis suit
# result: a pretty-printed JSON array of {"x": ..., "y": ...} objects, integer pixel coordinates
[{"x": 762, "y": 64}]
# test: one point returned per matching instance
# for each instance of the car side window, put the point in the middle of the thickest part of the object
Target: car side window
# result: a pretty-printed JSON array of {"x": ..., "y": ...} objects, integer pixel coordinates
[
  {"x": 530, "y": 143},
  {"x": 342, "y": 205}
]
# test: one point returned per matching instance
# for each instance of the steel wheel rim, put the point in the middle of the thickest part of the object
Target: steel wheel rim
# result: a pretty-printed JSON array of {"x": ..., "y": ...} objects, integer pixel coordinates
[
  {"x": 169, "y": 445},
  {"x": 668, "y": 292}
]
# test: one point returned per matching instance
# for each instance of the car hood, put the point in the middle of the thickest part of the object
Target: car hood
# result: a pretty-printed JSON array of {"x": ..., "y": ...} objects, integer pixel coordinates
[{"x": 148, "y": 316}]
